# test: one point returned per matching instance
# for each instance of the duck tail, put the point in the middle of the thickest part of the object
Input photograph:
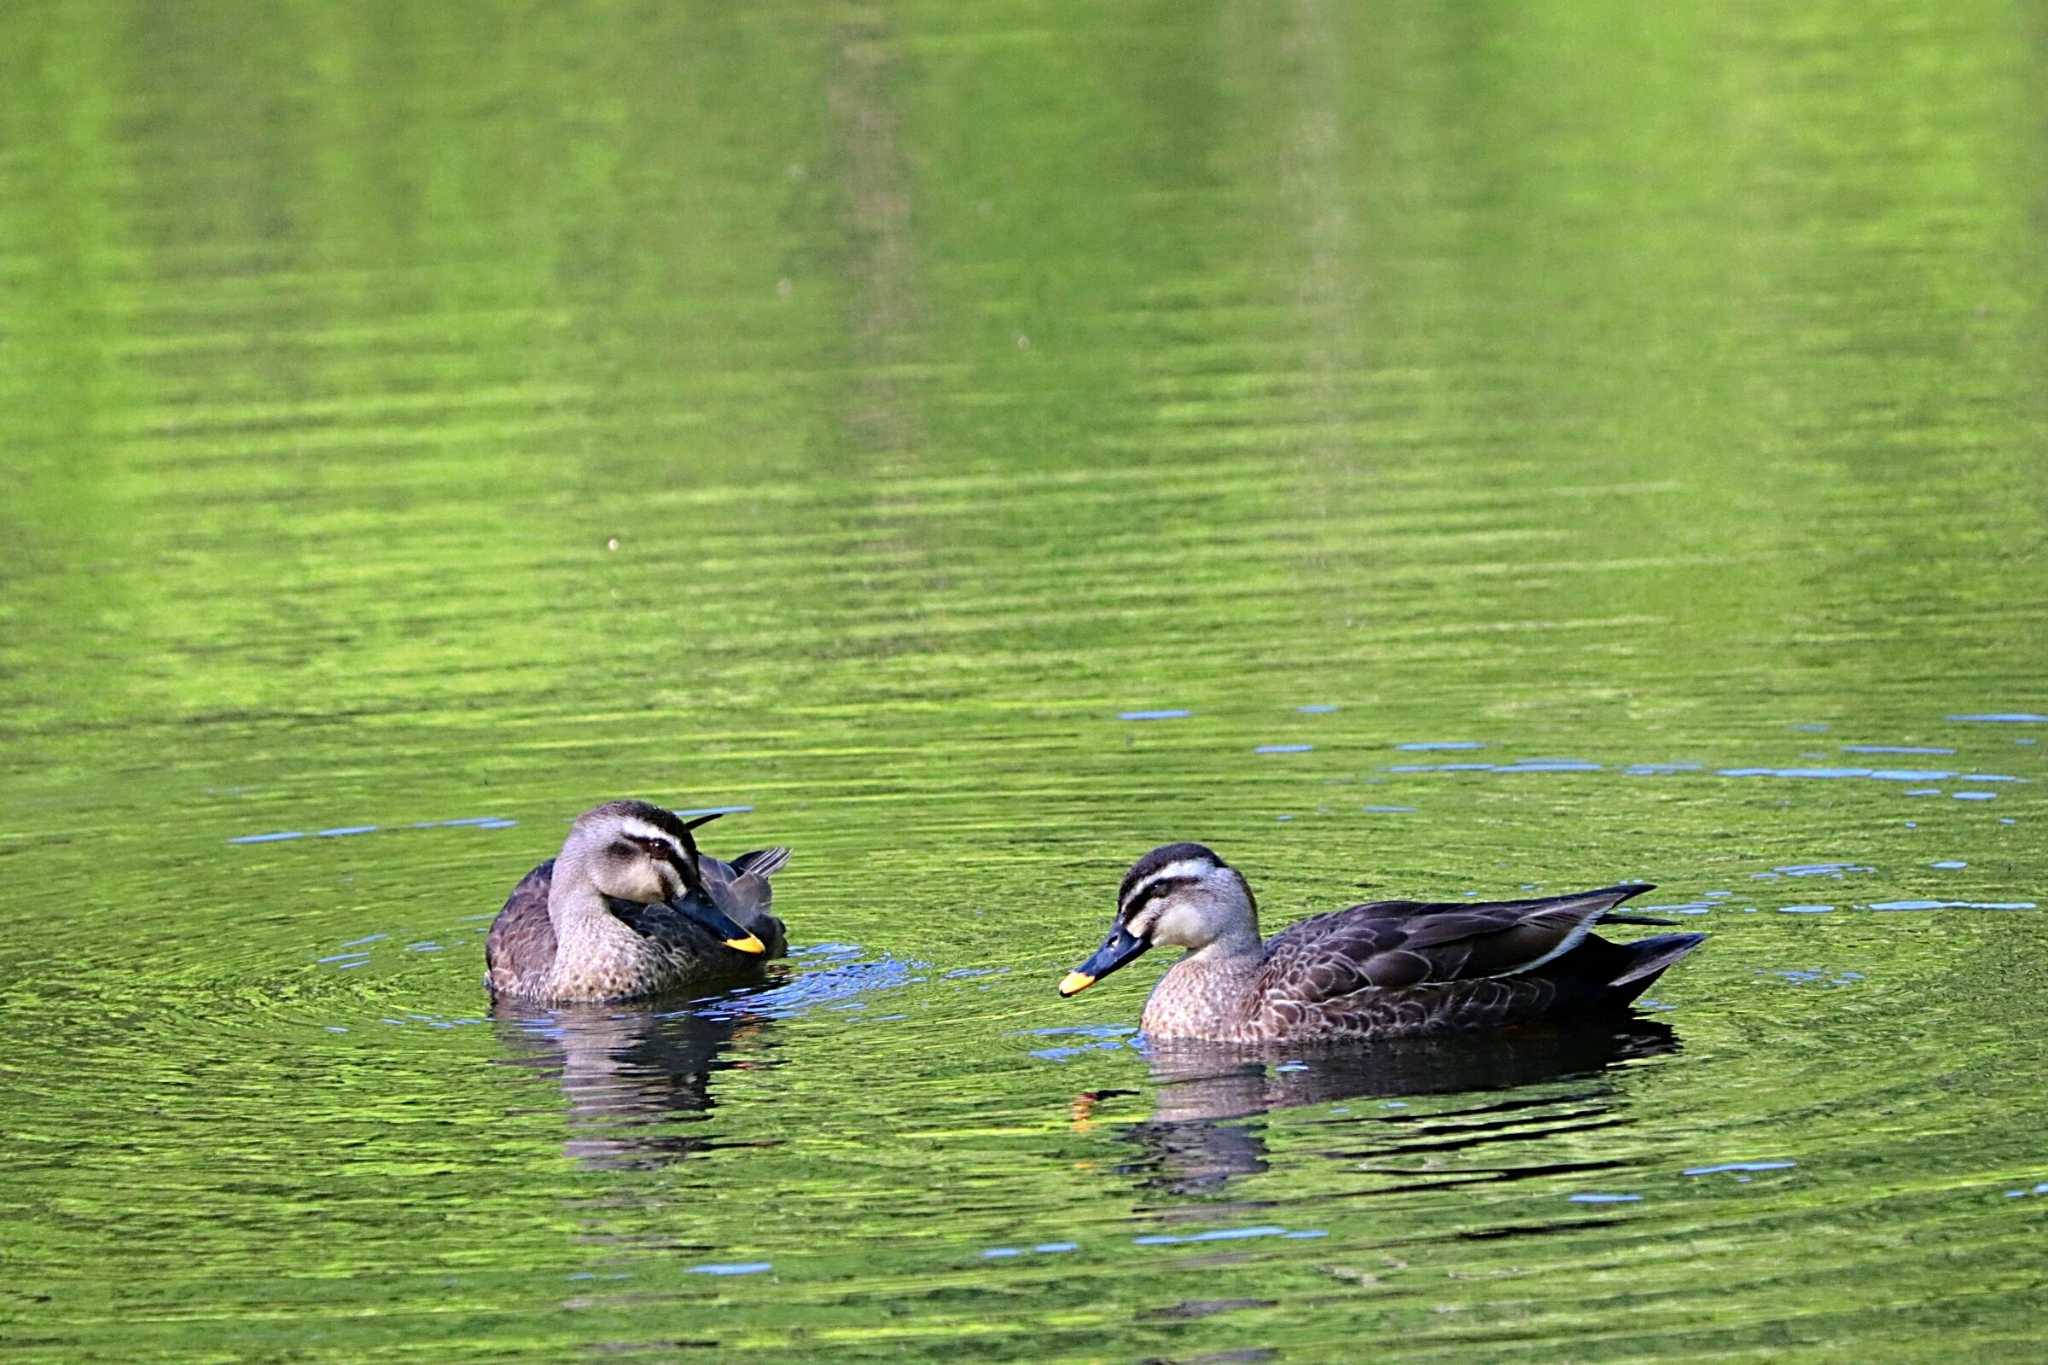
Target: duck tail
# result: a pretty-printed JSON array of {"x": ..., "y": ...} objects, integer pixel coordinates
[
  {"x": 1647, "y": 959},
  {"x": 762, "y": 862}
]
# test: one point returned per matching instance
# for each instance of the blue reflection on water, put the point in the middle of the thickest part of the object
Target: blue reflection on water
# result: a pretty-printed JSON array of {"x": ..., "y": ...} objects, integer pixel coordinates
[
  {"x": 344, "y": 831},
  {"x": 1951, "y": 905},
  {"x": 1162, "y": 1239},
  {"x": 1826, "y": 772},
  {"x": 1740, "y": 1166},
  {"x": 1044, "y": 1248},
  {"x": 1524, "y": 765},
  {"x": 1836, "y": 870}
]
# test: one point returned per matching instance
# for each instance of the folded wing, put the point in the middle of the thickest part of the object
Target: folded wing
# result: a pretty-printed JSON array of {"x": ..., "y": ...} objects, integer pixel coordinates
[{"x": 1404, "y": 945}]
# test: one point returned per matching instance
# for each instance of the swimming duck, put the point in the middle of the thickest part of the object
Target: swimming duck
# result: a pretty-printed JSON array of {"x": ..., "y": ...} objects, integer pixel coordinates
[
  {"x": 1383, "y": 970},
  {"x": 630, "y": 908}
]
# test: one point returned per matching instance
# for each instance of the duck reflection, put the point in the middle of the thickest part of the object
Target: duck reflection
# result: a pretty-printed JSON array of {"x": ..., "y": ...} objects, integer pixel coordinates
[
  {"x": 637, "y": 1078},
  {"x": 1190, "y": 1143}
]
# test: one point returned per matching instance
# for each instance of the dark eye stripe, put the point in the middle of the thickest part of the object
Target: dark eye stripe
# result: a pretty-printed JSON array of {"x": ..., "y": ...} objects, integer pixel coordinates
[
  {"x": 1154, "y": 891},
  {"x": 661, "y": 850}
]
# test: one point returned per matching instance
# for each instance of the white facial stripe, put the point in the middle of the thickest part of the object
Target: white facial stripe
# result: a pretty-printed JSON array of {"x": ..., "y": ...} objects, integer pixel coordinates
[
  {"x": 1186, "y": 867},
  {"x": 640, "y": 829}
]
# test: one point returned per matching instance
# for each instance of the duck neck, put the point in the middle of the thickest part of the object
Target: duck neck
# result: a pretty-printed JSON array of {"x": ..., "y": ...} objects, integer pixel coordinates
[
  {"x": 576, "y": 909},
  {"x": 1239, "y": 943},
  {"x": 1208, "y": 990},
  {"x": 1237, "y": 955}
]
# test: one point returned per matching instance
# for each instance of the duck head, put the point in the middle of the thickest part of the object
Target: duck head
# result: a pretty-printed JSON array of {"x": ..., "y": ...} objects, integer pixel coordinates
[
  {"x": 1180, "y": 895},
  {"x": 639, "y": 852}
]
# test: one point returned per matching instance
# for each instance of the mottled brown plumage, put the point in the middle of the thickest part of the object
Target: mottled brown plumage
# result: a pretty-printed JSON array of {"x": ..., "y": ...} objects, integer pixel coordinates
[
  {"x": 1379, "y": 970},
  {"x": 631, "y": 908}
]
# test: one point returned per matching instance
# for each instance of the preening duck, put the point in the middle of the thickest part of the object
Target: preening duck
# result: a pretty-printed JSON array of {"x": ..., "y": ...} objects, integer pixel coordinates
[
  {"x": 1381, "y": 970},
  {"x": 630, "y": 908}
]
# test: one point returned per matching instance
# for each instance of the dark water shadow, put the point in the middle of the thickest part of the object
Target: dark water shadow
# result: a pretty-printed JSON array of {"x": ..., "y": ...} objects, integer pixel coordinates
[
  {"x": 637, "y": 1078},
  {"x": 1194, "y": 1141}
]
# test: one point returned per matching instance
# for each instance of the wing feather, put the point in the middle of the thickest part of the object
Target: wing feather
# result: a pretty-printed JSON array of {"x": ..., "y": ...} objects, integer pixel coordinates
[
  {"x": 762, "y": 862},
  {"x": 521, "y": 944},
  {"x": 1401, "y": 945}
]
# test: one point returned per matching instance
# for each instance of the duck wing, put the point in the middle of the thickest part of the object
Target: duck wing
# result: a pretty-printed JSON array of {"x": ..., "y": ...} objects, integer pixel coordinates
[
  {"x": 1398, "y": 945},
  {"x": 740, "y": 888},
  {"x": 521, "y": 944}
]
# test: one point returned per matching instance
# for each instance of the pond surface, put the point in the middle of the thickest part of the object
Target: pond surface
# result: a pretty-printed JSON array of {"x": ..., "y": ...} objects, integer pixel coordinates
[{"x": 1444, "y": 455}]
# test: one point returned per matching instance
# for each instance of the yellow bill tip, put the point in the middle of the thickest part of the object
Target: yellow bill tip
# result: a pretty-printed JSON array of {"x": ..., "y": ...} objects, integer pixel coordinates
[
  {"x": 1073, "y": 983},
  {"x": 749, "y": 944}
]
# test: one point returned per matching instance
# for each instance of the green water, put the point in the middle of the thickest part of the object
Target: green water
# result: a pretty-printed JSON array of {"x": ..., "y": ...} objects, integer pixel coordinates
[{"x": 416, "y": 415}]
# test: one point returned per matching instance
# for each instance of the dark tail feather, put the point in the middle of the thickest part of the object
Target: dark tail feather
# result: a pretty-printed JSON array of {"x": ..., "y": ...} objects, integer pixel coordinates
[
  {"x": 1647, "y": 959},
  {"x": 762, "y": 862}
]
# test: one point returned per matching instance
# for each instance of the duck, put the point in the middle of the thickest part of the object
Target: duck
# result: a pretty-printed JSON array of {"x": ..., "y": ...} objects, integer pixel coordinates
[
  {"x": 630, "y": 908},
  {"x": 1386, "y": 969}
]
